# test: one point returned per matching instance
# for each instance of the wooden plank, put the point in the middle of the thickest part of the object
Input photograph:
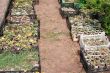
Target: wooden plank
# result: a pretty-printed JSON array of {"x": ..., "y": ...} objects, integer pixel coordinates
[{"x": 3, "y": 10}]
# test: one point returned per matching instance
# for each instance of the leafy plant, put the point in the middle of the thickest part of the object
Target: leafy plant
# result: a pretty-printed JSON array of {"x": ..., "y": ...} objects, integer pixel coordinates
[{"x": 102, "y": 8}]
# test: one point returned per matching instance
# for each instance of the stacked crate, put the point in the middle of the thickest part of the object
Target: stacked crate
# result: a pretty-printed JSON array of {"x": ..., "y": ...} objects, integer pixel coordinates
[
  {"x": 96, "y": 59},
  {"x": 95, "y": 52},
  {"x": 67, "y": 8}
]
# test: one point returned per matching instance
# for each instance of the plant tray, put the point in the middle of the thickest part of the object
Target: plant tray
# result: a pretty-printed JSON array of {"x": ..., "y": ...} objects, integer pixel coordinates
[
  {"x": 67, "y": 3},
  {"x": 21, "y": 19},
  {"x": 22, "y": 11},
  {"x": 84, "y": 26},
  {"x": 65, "y": 12},
  {"x": 94, "y": 40},
  {"x": 93, "y": 62},
  {"x": 22, "y": 3},
  {"x": 85, "y": 30}
]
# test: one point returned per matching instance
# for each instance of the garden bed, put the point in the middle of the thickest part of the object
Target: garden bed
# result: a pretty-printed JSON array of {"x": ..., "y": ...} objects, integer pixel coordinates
[
  {"x": 19, "y": 45},
  {"x": 19, "y": 49}
]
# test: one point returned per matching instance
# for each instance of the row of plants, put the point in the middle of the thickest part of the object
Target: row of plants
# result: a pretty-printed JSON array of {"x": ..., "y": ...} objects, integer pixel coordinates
[
  {"x": 85, "y": 23},
  {"x": 22, "y": 12},
  {"x": 19, "y": 49},
  {"x": 99, "y": 9},
  {"x": 19, "y": 37}
]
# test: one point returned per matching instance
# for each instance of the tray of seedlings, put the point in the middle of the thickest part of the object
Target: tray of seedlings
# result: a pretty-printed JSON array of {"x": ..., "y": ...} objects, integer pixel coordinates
[
  {"x": 67, "y": 3},
  {"x": 68, "y": 11},
  {"x": 83, "y": 25},
  {"x": 21, "y": 12},
  {"x": 21, "y": 2},
  {"x": 95, "y": 59},
  {"x": 22, "y": 7},
  {"x": 94, "y": 40},
  {"x": 19, "y": 49},
  {"x": 21, "y": 19}
]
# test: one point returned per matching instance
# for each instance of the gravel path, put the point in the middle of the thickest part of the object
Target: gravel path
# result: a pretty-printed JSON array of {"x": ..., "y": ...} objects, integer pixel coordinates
[{"x": 59, "y": 54}]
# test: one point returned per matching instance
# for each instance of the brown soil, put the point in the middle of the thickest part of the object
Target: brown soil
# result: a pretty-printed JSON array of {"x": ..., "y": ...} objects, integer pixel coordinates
[{"x": 59, "y": 54}]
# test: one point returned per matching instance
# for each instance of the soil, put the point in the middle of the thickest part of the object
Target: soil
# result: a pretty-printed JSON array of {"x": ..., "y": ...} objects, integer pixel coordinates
[{"x": 59, "y": 54}]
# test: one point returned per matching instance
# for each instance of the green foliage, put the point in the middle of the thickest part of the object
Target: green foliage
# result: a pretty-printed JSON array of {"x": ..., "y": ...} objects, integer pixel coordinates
[
  {"x": 22, "y": 61},
  {"x": 102, "y": 7},
  {"x": 106, "y": 17}
]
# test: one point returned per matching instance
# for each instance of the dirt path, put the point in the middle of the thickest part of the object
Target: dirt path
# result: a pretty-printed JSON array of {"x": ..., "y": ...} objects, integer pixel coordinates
[{"x": 58, "y": 52}]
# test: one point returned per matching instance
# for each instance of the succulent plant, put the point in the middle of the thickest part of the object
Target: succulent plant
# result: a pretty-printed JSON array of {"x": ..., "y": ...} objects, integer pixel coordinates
[
  {"x": 98, "y": 57},
  {"x": 85, "y": 25},
  {"x": 18, "y": 37}
]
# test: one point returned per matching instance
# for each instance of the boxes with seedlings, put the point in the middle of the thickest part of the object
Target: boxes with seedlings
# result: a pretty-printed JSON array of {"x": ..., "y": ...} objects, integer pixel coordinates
[
  {"x": 19, "y": 49},
  {"x": 96, "y": 59}
]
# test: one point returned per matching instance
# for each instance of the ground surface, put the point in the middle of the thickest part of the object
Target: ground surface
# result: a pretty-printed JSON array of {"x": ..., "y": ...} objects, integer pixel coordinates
[{"x": 59, "y": 54}]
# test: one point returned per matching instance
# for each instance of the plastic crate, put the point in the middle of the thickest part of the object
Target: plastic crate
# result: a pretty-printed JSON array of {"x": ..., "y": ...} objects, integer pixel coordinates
[
  {"x": 76, "y": 18},
  {"x": 79, "y": 29},
  {"x": 66, "y": 4},
  {"x": 21, "y": 19},
  {"x": 94, "y": 48},
  {"x": 22, "y": 11},
  {"x": 103, "y": 40},
  {"x": 67, "y": 12},
  {"x": 91, "y": 68},
  {"x": 85, "y": 30},
  {"x": 77, "y": 5}
]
